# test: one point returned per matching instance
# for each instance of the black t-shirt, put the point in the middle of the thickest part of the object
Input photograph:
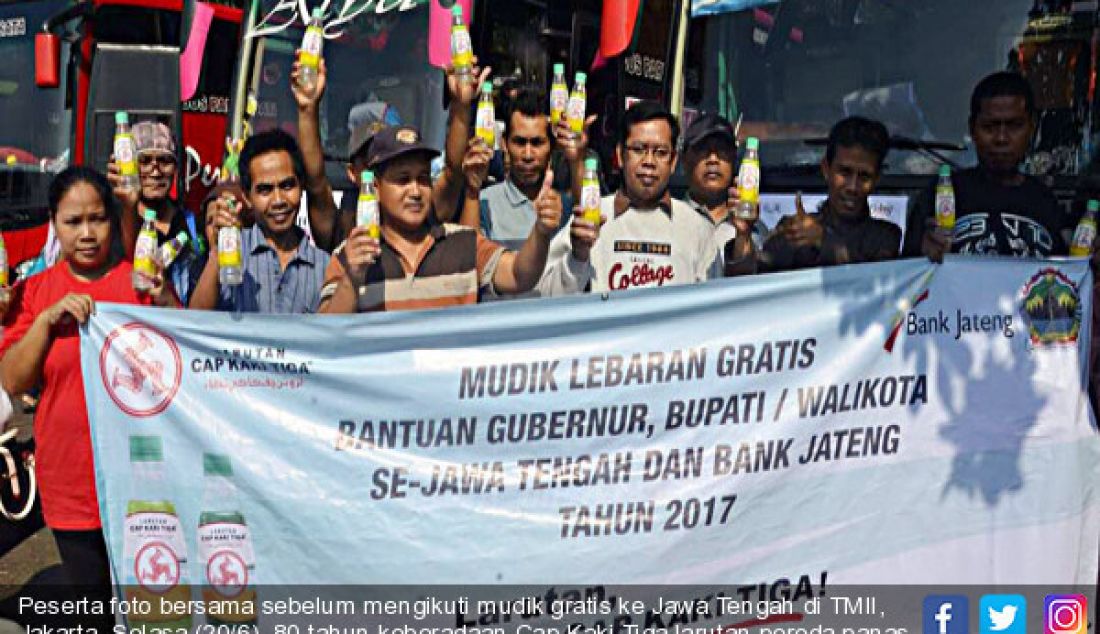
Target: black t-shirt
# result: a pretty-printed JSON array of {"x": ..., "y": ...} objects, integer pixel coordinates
[{"x": 996, "y": 219}]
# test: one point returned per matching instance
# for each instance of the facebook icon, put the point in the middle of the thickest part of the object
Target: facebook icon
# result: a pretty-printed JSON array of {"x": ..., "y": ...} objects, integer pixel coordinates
[{"x": 946, "y": 614}]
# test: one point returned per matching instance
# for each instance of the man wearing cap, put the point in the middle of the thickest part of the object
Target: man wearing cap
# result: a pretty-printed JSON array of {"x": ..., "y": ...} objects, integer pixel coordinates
[
  {"x": 647, "y": 239},
  {"x": 419, "y": 263},
  {"x": 282, "y": 270},
  {"x": 710, "y": 147},
  {"x": 157, "y": 164},
  {"x": 329, "y": 224}
]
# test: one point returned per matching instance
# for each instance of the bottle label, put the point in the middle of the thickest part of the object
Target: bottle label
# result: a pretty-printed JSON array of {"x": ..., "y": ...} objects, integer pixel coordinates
[
  {"x": 945, "y": 209},
  {"x": 312, "y": 43},
  {"x": 229, "y": 248},
  {"x": 144, "y": 252},
  {"x": 1083, "y": 238},
  {"x": 124, "y": 155},
  {"x": 167, "y": 254},
  {"x": 574, "y": 113},
  {"x": 462, "y": 51},
  {"x": 559, "y": 98},
  {"x": 486, "y": 123},
  {"x": 156, "y": 561},
  {"x": 367, "y": 211},
  {"x": 590, "y": 201},
  {"x": 748, "y": 181}
]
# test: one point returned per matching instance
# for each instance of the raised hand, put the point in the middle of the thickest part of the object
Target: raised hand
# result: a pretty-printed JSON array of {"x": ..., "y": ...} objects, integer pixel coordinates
[
  {"x": 802, "y": 229},
  {"x": 573, "y": 147},
  {"x": 548, "y": 207},
  {"x": 307, "y": 100},
  {"x": 127, "y": 196},
  {"x": 475, "y": 165},
  {"x": 583, "y": 234},
  {"x": 462, "y": 89},
  {"x": 361, "y": 252}
]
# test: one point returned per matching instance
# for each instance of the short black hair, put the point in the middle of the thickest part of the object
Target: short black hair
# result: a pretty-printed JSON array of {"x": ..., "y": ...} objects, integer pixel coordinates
[
  {"x": 644, "y": 111},
  {"x": 859, "y": 132},
  {"x": 529, "y": 103},
  {"x": 264, "y": 143},
  {"x": 72, "y": 176},
  {"x": 1002, "y": 84}
]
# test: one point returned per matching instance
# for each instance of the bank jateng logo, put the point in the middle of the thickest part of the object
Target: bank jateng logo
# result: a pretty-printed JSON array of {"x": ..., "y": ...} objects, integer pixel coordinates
[
  {"x": 905, "y": 307},
  {"x": 1051, "y": 306},
  {"x": 141, "y": 369}
]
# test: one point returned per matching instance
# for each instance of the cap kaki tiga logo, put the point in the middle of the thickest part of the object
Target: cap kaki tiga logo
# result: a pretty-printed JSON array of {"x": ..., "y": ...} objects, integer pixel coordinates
[
  {"x": 141, "y": 369},
  {"x": 1052, "y": 308}
]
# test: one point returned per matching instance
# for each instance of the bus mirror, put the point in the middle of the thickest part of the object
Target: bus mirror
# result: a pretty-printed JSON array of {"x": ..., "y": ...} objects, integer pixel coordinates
[{"x": 47, "y": 60}]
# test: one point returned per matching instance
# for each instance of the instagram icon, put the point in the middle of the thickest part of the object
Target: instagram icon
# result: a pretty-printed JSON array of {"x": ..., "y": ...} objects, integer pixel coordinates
[{"x": 1065, "y": 614}]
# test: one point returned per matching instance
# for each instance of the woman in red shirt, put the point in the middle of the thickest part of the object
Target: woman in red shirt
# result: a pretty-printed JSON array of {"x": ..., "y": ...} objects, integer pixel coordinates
[{"x": 41, "y": 347}]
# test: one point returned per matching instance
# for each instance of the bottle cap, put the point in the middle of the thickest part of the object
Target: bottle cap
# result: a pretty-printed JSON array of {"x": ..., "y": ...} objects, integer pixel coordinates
[
  {"x": 150, "y": 215},
  {"x": 752, "y": 143},
  {"x": 945, "y": 170},
  {"x": 487, "y": 87},
  {"x": 591, "y": 164},
  {"x": 367, "y": 176},
  {"x": 122, "y": 117},
  {"x": 318, "y": 13},
  {"x": 216, "y": 464},
  {"x": 1093, "y": 205},
  {"x": 559, "y": 69},
  {"x": 183, "y": 237},
  {"x": 146, "y": 449},
  {"x": 456, "y": 10},
  {"x": 582, "y": 78}
]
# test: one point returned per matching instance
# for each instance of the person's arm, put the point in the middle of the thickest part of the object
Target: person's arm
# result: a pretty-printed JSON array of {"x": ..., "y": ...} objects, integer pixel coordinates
[
  {"x": 475, "y": 167},
  {"x": 21, "y": 367},
  {"x": 574, "y": 150},
  {"x": 322, "y": 208},
  {"x": 569, "y": 269},
  {"x": 129, "y": 202},
  {"x": 207, "y": 290},
  {"x": 340, "y": 293},
  {"x": 519, "y": 271},
  {"x": 447, "y": 188}
]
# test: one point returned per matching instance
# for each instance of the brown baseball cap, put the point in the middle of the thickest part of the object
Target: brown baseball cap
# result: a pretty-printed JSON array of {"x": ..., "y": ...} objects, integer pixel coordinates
[{"x": 396, "y": 141}]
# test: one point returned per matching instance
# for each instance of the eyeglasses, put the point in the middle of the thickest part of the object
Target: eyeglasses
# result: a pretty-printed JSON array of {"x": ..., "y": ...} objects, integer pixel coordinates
[
  {"x": 165, "y": 161},
  {"x": 661, "y": 153}
]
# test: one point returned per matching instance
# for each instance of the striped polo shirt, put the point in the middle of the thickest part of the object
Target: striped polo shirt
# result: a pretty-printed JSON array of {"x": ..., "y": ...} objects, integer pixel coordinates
[
  {"x": 457, "y": 263},
  {"x": 267, "y": 287}
]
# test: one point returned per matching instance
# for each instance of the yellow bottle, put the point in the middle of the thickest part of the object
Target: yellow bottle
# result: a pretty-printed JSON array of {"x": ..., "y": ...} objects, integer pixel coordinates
[
  {"x": 1085, "y": 234},
  {"x": 309, "y": 56},
  {"x": 366, "y": 212},
  {"x": 145, "y": 253},
  {"x": 945, "y": 201},
  {"x": 590, "y": 191},
  {"x": 578, "y": 103},
  {"x": 748, "y": 180},
  {"x": 486, "y": 124},
  {"x": 462, "y": 51},
  {"x": 559, "y": 94}
]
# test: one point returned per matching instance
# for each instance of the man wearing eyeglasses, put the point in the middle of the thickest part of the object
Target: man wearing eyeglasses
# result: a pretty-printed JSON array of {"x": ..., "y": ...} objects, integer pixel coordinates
[
  {"x": 645, "y": 238},
  {"x": 157, "y": 164}
]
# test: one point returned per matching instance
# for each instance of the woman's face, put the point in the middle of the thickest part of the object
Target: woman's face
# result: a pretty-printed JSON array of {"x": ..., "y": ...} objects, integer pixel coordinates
[{"x": 83, "y": 228}]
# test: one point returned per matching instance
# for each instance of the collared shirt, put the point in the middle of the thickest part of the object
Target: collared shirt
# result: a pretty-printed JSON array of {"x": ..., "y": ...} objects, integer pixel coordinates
[
  {"x": 508, "y": 215},
  {"x": 267, "y": 288},
  {"x": 725, "y": 231},
  {"x": 457, "y": 263}
]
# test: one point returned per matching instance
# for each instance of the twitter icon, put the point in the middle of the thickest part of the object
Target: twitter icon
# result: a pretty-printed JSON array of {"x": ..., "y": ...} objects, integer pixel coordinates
[{"x": 1003, "y": 614}]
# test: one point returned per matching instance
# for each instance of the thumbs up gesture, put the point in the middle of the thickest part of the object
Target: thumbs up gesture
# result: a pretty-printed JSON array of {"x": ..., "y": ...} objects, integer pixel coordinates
[
  {"x": 802, "y": 229},
  {"x": 548, "y": 207}
]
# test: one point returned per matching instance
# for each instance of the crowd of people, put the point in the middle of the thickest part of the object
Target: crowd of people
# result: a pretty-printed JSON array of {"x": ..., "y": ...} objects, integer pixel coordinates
[{"x": 457, "y": 240}]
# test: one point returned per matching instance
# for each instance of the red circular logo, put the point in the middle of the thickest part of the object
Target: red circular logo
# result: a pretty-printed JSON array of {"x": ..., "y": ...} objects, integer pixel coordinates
[
  {"x": 156, "y": 567},
  {"x": 141, "y": 369},
  {"x": 227, "y": 573}
]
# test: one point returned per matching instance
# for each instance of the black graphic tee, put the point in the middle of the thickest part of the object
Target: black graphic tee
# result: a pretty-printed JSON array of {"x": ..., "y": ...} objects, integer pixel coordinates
[{"x": 996, "y": 219}]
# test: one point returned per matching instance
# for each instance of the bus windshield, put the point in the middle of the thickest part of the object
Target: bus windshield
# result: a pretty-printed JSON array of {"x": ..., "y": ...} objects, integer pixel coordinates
[
  {"x": 378, "y": 70},
  {"x": 790, "y": 69}
]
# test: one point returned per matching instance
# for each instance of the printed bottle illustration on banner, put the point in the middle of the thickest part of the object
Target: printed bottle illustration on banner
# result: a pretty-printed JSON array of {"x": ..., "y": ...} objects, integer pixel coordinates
[
  {"x": 154, "y": 550},
  {"x": 945, "y": 201},
  {"x": 462, "y": 50},
  {"x": 170, "y": 250},
  {"x": 145, "y": 251},
  {"x": 126, "y": 153},
  {"x": 559, "y": 94},
  {"x": 1085, "y": 234},
  {"x": 366, "y": 211},
  {"x": 486, "y": 124},
  {"x": 577, "y": 105},
  {"x": 226, "y": 558},
  {"x": 313, "y": 44},
  {"x": 230, "y": 271},
  {"x": 748, "y": 180},
  {"x": 590, "y": 191}
]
